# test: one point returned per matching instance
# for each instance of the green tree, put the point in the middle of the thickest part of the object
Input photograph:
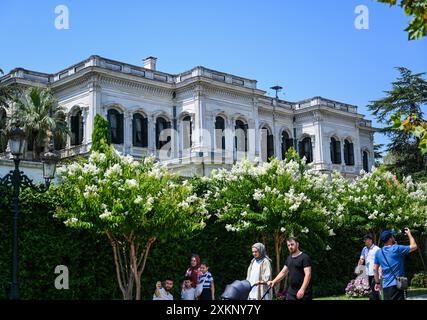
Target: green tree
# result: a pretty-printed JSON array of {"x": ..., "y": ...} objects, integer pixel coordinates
[
  {"x": 408, "y": 96},
  {"x": 101, "y": 137},
  {"x": 414, "y": 126},
  {"x": 40, "y": 116},
  {"x": 378, "y": 155},
  {"x": 417, "y": 9},
  {"x": 134, "y": 204}
]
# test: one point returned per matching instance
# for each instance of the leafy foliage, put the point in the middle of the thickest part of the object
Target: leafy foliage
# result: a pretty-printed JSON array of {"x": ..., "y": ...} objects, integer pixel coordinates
[
  {"x": 408, "y": 97},
  {"x": 417, "y": 27},
  {"x": 101, "y": 134},
  {"x": 37, "y": 112}
]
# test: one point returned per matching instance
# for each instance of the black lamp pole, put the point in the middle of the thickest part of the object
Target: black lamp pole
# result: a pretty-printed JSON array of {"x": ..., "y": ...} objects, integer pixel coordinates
[{"x": 18, "y": 180}]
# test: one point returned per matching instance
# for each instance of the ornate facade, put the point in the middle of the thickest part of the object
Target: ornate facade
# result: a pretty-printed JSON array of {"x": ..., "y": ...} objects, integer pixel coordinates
[{"x": 201, "y": 119}]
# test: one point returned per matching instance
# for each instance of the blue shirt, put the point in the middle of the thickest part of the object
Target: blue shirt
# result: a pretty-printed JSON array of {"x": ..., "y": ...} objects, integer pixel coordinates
[{"x": 395, "y": 255}]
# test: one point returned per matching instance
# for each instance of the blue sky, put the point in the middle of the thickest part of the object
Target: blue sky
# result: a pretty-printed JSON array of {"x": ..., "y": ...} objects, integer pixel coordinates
[{"x": 310, "y": 47}]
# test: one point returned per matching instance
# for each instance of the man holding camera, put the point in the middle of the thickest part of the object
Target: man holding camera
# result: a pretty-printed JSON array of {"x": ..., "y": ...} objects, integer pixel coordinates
[
  {"x": 391, "y": 260},
  {"x": 367, "y": 258},
  {"x": 163, "y": 291}
]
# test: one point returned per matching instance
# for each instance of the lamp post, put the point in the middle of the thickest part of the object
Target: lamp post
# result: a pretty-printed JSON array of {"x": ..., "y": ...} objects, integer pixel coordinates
[{"x": 18, "y": 180}]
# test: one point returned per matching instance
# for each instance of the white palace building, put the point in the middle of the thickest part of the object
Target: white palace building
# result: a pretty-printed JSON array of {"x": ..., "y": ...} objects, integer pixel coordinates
[{"x": 199, "y": 119}]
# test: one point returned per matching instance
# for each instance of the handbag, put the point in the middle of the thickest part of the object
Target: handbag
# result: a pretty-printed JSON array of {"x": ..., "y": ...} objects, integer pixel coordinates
[
  {"x": 401, "y": 282},
  {"x": 199, "y": 287}
]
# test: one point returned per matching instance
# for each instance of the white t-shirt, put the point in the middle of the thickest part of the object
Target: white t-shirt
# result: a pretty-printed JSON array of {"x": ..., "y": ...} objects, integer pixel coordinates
[
  {"x": 164, "y": 295},
  {"x": 254, "y": 278},
  {"x": 188, "y": 294}
]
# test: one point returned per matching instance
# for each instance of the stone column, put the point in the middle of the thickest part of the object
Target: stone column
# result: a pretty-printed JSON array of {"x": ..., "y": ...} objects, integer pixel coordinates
[
  {"x": 127, "y": 134},
  {"x": 95, "y": 108},
  {"x": 87, "y": 131},
  {"x": 252, "y": 139}
]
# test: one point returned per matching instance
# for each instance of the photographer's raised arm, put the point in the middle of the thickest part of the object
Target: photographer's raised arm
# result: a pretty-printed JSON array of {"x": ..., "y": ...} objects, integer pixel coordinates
[{"x": 412, "y": 244}]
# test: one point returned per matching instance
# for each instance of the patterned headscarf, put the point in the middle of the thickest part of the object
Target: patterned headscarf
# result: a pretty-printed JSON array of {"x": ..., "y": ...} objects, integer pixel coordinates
[{"x": 262, "y": 251}]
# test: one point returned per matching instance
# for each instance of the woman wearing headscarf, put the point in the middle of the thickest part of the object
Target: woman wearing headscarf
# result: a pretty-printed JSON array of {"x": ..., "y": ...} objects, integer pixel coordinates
[
  {"x": 193, "y": 270},
  {"x": 259, "y": 272}
]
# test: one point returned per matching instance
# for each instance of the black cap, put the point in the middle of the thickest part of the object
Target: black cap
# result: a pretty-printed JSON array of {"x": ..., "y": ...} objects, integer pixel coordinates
[{"x": 368, "y": 236}]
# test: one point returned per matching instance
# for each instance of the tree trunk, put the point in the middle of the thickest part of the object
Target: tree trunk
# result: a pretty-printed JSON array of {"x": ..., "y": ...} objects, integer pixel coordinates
[
  {"x": 129, "y": 267},
  {"x": 278, "y": 241}
]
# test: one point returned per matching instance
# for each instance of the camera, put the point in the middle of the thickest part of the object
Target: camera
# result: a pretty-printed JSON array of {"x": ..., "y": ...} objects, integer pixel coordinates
[{"x": 403, "y": 230}]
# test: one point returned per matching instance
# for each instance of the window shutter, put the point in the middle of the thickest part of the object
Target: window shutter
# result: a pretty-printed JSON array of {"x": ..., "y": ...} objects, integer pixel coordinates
[
  {"x": 351, "y": 154},
  {"x": 338, "y": 152},
  {"x": 301, "y": 149},
  {"x": 120, "y": 128},
  {"x": 134, "y": 132},
  {"x": 144, "y": 132},
  {"x": 81, "y": 129},
  {"x": 270, "y": 146},
  {"x": 346, "y": 153},
  {"x": 310, "y": 152},
  {"x": 332, "y": 149},
  {"x": 73, "y": 130}
]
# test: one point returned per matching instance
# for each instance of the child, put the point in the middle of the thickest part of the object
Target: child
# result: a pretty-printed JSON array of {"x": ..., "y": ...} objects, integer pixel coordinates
[
  {"x": 207, "y": 281},
  {"x": 188, "y": 292}
]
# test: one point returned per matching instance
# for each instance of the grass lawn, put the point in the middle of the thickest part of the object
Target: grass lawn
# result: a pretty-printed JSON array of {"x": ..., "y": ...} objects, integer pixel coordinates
[{"x": 411, "y": 292}]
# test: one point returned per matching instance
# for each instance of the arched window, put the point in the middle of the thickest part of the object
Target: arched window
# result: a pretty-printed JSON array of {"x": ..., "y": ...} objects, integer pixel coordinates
[
  {"x": 187, "y": 132},
  {"x": 219, "y": 133},
  {"x": 162, "y": 136},
  {"x": 267, "y": 144},
  {"x": 115, "y": 119},
  {"x": 306, "y": 149},
  {"x": 348, "y": 153},
  {"x": 241, "y": 137},
  {"x": 335, "y": 147},
  {"x": 139, "y": 131},
  {"x": 3, "y": 139},
  {"x": 287, "y": 143},
  {"x": 76, "y": 124},
  {"x": 365, "y": 161}
]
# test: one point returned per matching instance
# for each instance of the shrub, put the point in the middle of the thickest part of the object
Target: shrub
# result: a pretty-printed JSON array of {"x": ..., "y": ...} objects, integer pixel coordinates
[
  {"x": 358, "y": 288},
  {"x": 419, "y": 280}
]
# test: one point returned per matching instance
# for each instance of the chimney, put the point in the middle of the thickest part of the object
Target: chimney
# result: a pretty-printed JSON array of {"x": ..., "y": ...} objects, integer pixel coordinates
[{"x": 150, "y": 63}]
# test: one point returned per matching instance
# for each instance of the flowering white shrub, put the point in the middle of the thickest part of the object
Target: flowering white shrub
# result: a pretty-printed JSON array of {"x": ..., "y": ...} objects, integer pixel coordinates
[
  {"x": 378, "y": 200},
  {"x": 277, "y": 199},
  {"x": 133, "y": 203}
]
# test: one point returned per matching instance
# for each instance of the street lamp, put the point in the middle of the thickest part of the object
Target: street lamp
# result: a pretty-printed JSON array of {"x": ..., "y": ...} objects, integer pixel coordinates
[
  {"x": 277, "y": 88},
  {"x": 18, "y": 180}
]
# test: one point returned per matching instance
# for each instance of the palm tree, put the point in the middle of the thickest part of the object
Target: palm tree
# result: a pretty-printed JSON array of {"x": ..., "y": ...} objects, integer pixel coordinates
[
  {"x": 5, "y": 97},
  {"x": 39, "y": 115},
  {"x": 6, "y": 93}
]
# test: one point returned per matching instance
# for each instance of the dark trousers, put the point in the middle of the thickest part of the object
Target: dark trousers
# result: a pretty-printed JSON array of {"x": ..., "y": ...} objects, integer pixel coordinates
[
  {"x": 375, "y": 295},
  {"x": 206, "y": 294},
  {"x": 392, "y": 293}
]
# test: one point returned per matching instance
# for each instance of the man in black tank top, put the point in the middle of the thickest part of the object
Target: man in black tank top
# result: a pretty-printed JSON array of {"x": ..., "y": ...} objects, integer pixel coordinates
[{"x": 298, "y": 267}]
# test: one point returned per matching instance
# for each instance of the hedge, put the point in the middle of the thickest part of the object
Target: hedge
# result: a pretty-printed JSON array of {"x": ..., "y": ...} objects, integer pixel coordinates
[{"x": 44, "y": 243}]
